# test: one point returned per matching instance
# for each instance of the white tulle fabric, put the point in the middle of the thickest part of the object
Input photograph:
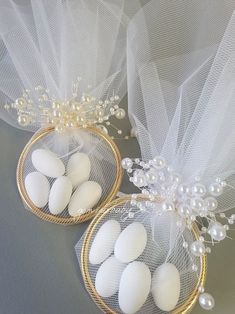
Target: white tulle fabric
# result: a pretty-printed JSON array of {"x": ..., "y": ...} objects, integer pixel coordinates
[
  {"x": 51, "y": 43},
  {"x": 168, "y": 249},
  {"x": 181, "y": 92},
  {"x": 102, "y": 159},
  {"x": 181, "y": 76}
]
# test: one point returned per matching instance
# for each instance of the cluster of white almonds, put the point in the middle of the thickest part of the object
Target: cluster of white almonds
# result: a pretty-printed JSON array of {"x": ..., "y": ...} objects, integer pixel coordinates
[
  {"x": 58, "y": 186},
  {"x": 82, "y": 109},
  {"x": 192, "y": 201}
]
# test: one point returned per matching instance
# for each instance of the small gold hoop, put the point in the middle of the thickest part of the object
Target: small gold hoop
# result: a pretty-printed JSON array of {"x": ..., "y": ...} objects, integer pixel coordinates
[
  {"x": 184, "y": 308},
  {"x": 67, "y": 220}
]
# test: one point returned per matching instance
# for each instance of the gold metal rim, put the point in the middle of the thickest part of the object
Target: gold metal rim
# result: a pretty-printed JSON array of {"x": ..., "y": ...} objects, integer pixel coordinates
[
  {"x": 184, "y": 308},
  {"x": 67, "y": 220}
]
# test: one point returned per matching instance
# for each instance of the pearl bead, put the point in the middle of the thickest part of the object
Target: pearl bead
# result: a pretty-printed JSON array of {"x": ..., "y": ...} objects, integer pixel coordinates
[
  {"x": 6, "y": 107},
  {"x": 151, "y": 176},
  {"x": 100, "y": 113},
  {"x": 167, "y": 206},
  {"x": 69, "y": 124},
  {"x": 206, "y": 301},
  {"x": 232, "y": 216},
  {"x": 133, "y": 132},
  {"x": 175, "y": 177},
  {"x": 223, "y": 183},
  {"x": 198, "y": 189},
  {"x": 59, "y": 128},
  {"x": 215, "y": 189},
  {"x": 197, "y": 248},
  {"x": 145, "y": 192},
  {"x": 23, "y": 120},
  {"x": 57, "y": 113},
  {"x": 201, "y": 289},
  {"x": 183, "y": 189},
  {"x": 139, "y": 178},
  {"x": 55, "y": 105},
  {"x": 120, "y": 113},
  {"x": 210, "y": 203},
  {"x": 217, "y": 231},
  {"x": 203, "y": 212},
  {"x": 197, "y": 203},
  {"x": 103, "y": 128},
  {"x": 184, "y": 210},
  {"x": 127, "y": 163},
  {"x": 158, "y": 162},
  {"x": 21, "y": 103}
]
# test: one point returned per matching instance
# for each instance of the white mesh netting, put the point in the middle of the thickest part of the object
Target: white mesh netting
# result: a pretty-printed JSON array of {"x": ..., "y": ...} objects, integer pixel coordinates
[
  {"x": 45, "y": 48},
  {"x": 164, "y": 245},
  {"x": 181, "y": 84},
  {"x": 104, "y": 163},
  {"x": 50, "y": 44}
]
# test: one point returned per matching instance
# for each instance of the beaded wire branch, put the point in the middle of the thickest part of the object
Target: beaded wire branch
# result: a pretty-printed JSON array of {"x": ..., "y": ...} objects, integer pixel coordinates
[
  {"x": 192, "y": 201},
  {"x": 82, "y": 110}
]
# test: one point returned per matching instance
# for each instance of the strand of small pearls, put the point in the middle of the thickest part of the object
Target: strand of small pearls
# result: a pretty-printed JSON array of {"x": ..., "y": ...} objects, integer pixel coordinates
[
  {"x": 77, "y": 111},
  {"x": 157, "y": 180}
]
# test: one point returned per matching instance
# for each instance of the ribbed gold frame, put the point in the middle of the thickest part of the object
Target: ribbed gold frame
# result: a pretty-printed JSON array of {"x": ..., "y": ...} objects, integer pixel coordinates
[
  {"x": 67, "y": 220},
  {"x": 182, "y": 309}
]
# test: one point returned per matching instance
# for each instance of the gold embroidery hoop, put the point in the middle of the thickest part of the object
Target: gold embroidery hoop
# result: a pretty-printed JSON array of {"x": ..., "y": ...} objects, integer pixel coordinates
[
  {"x": 68, "y": 220},
  {"x": 184, "y": 308}
]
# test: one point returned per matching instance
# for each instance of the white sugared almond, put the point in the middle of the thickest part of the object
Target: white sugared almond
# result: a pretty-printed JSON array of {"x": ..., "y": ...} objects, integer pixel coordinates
[
  {"x": 104, "y": 241},
  {"x": 108, "y": 277},
  {"x": 60, "y": 194},
  {"x": 48, "y": 163},
  {"x": 166, "y": 287},
  {"x": 78, "y": 168},
  {"x": 37, "y": 188},
  {"x": 131, "y": 243},
  {"x": 86, "y": 196},
  {"x": 134, "y": 287}
]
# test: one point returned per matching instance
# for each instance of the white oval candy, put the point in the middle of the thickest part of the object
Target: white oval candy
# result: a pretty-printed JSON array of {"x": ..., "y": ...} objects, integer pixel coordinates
[
  {"x": 37, "y": 188},
  {"x": 134, "y": 287},
  {"x": 60, "y": 194},
  {"x": 78, "y": 168},
  {"x": 47, "y": 163},
  {"x": 131, "y": 242},
  {"x": 166, "y": 287},
  {"x": 86, "y": 196},
  {"x": 103, "y": 243},
  {"x": 108, "y": 277}
]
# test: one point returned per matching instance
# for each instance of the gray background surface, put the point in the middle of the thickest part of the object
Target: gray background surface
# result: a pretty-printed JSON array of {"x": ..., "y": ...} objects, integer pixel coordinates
[{"x": 39, "y": 272}]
